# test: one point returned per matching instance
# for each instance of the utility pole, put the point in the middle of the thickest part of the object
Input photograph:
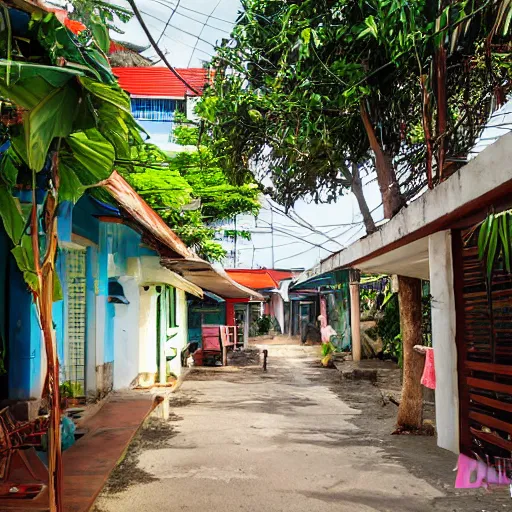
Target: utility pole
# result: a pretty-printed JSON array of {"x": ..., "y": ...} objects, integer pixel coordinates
[
  {"x": 272, "y": 232},
  {"x": 234, "y": 255}
]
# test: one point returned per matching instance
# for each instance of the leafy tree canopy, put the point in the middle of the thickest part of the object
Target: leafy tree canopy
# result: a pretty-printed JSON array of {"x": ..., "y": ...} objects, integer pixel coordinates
[
  {"x": 191, "y": 191},
  {"x": 303, "y": 89}
]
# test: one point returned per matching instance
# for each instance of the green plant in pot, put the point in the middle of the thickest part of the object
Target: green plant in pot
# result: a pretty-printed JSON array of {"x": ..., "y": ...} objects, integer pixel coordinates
[{"x": 70, "y": 391}]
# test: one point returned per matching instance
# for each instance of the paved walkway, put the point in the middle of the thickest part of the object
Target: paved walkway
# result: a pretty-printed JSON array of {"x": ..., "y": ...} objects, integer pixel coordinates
[
  {"x": 88, "y": 463},
  {"x": 274, "y": 442}
]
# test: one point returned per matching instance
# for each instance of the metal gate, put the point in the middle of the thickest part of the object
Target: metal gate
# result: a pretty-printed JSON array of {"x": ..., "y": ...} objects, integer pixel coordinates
[
  {"x": 74, "y": 350},
  {"x": 484, "y": 346}
]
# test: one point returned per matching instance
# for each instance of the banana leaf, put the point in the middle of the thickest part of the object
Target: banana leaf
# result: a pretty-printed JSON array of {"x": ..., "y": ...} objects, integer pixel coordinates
[
  {"x": 12, "y": 219},
  {"x": 51, "y": 118},
  {"x": 94, "y": 152},
  {"x": 31, "y": 83}
]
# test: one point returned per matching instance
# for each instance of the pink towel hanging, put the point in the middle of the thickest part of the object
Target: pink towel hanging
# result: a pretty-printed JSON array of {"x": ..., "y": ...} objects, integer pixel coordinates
[{"x": 429, "y": 372}]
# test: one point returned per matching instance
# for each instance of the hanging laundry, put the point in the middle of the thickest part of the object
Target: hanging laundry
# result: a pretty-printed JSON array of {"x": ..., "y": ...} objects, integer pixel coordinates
[{"x": 428, "y": 378}]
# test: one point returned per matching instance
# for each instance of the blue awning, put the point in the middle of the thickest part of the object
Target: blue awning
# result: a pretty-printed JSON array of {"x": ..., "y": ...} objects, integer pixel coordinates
[{"x": 213, "y": 296}]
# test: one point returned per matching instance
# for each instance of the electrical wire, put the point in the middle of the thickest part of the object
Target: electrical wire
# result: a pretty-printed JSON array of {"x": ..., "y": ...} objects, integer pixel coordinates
[
  {"x": 177, "y": 28},
  {"x": 168, "y": 21},
  {"x": 169, "y": 5},
  {"x": 138, "y": 15},
  {"x": 201, "y": 31}
]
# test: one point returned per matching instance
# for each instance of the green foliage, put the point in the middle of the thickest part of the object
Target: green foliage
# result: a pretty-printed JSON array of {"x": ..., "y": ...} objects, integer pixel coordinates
[
  {"x": 264, "y": 324},
  {"x": 290, "y": 84},
  {"x": 171, "y": 182},
  {"x": 495, "y": 241},
  {"x": 63, "y": 109},
  {"x": 71, "y": 389}
]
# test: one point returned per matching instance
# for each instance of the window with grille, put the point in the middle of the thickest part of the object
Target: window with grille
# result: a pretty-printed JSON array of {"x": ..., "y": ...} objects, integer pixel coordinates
[
  {"x": 74, "y": 350},
  {"x": 156, "y": 109}
]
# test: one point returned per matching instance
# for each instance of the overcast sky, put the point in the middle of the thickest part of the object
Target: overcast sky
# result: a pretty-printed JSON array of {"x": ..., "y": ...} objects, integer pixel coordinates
[{"x": 190, "y": 35}]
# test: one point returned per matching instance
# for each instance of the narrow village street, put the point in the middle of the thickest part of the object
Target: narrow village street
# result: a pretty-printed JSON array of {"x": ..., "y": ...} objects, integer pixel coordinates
[{"x": 296, "y": 438}]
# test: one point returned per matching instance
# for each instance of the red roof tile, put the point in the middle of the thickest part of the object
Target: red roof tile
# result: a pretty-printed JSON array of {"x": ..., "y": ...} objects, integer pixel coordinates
[{"x": 160, "y": 82}]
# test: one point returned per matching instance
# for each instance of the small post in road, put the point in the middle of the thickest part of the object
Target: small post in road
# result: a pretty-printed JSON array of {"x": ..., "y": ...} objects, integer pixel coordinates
[{"x": 265, "y": 355}]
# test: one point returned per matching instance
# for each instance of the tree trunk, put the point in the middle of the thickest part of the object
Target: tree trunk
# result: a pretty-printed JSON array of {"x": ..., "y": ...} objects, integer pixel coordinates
[
  {"x": 44, "y": 301},
  {"x": 410, "y": 412},
  {"x": 427, "y": 121},
  {"x": 442, "y": 106},
  {"x": 357, "y": 190},
  {"x": 386, "y": 176}
]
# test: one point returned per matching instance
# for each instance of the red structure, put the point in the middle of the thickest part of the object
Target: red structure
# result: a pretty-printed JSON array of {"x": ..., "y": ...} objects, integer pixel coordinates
[{"x": 159, "y": 82}]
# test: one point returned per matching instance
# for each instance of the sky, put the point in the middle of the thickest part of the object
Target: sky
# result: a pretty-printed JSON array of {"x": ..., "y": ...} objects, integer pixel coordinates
[{"x": 189, "y": 37}]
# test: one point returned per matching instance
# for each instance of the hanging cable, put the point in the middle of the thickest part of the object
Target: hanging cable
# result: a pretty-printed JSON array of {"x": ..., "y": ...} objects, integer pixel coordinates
[
  {"x": 168, "y": 21},
  {"x": 201, "y": 32},
  {"x": 138, "y": 15}
]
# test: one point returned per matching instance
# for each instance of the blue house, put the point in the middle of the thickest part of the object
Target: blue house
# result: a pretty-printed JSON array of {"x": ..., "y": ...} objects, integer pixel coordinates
[{"x": 123, "y": 318}]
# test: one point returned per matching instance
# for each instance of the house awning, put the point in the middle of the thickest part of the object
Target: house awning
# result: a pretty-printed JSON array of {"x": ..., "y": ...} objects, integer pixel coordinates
[
  {"x": 194, "y": 270},
  {"x": 258, "y": 279},
  {"x": 210, "y": 278},
  {"x": 151, "y": 272}
]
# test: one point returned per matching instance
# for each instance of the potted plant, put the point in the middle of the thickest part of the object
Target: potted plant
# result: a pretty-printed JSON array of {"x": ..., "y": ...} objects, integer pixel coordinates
[{"x": 70, "y": 393}]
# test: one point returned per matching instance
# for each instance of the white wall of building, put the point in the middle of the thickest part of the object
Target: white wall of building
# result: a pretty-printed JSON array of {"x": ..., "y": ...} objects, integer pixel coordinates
[
  {"x": 179, "y": 341},
  {"x": 147, "y": 334},
  {"x": 126, "y": 335},
  {"x": 443, "y": 340}
]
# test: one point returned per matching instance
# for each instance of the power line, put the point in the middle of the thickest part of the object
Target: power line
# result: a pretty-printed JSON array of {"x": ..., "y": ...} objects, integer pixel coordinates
[
  {"x": 177, "y": 28},
  {"x": 201, "y": 32},
  {"x": 138, "y": 15},
  {"x": 168, "y": 21},
  {"x": 169, "y": 4},
  {"x": 167, "y": 36}
]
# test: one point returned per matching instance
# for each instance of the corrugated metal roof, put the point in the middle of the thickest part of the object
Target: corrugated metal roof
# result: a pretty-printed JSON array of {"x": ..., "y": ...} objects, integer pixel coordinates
[
  {"x": 188, "y": 264},
  {"x": 153, "y": 82},
  {"x": 213, "y": 279},
  {"x": 144, "y": 215}
]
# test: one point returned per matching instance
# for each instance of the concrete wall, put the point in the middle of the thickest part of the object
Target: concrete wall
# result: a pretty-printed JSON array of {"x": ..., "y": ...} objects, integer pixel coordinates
[
  {"x": 126, "y": 335},
  {"x": 443, "y": 340},
  {"x": 277, "y": 309},
  {"x": 147, "y": 335}
]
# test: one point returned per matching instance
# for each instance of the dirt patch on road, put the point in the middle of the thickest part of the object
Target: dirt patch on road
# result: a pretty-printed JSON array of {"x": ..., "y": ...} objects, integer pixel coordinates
[
  {"x": 419, "y": 454},
  {"x": 154, "y": 435}
]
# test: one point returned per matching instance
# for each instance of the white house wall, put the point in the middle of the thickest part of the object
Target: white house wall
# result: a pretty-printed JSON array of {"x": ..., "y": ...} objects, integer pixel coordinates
[
  {"x": 126, "y": 335},
  {"x": 147, "y": 335},
  {"x": 181, "y": 339}
]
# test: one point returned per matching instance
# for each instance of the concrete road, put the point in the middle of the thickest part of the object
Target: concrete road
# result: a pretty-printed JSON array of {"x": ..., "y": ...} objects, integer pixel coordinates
[{"x": 273, "y": 442}]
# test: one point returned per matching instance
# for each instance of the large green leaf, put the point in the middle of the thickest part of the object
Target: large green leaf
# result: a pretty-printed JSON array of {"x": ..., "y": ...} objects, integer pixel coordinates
[
  {"x": 100, "y": 32},
  {"x": 12, "y": 218},
  {"x": 31, "y": 83},
  {"x": 93, "y": 151},
  {"x": 70, "y": 188},
  {"x": 24, "y": 256},
  {"x": 115, "y": 129},
  {"x": 110, "y": 93},
  {"x": 52, "y": 117},
  {"x": 9, "y": 167}
]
